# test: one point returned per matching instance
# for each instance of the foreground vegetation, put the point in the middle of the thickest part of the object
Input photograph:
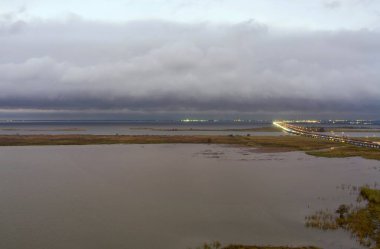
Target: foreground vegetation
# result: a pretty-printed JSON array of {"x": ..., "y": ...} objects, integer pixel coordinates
[
  {"x": 347, "y": 151},
  {"x": 311, "y": 146},
  {"x": 362, "y": 222},
  {"x": 217, "y": 245},
  {"x": 267, "y": 247},
  {"x": 288, "y": 142}
]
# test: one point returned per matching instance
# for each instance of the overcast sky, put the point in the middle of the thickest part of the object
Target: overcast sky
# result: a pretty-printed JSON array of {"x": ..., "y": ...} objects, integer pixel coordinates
[{"x": 198, "y": 58}]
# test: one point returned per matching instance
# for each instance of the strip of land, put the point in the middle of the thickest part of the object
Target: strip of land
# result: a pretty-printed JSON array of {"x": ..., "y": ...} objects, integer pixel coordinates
[
  {"x": 59, "y": 129},
  {"x": 266, "y": 247},
  {"x": 217, "y": 245},
  {"x": 258, "y": 129},
  {"x": 351, "y": 130},
  {"x": 315, "y": 147},
  {"x": 343, "y": 129}
]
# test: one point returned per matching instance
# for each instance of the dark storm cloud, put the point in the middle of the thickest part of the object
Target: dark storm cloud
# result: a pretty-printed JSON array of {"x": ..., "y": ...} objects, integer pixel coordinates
[
  {"x": 151, "y": 66},
  {"x": 174, "y": 104}
]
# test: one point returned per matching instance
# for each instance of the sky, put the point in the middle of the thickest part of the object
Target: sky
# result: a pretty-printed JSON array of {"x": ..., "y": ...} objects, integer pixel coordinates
[{"x": 169, "y": 59}]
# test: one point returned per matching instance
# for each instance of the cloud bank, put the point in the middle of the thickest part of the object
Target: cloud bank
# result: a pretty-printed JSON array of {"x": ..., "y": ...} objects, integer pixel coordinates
[{"x": 157, "y": 66}]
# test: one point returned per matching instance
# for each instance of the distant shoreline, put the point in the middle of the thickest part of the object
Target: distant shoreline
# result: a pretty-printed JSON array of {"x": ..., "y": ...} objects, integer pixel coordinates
[
  {"x": 255, "y": 129},
  {"x": 346, "y": 129},
  {"x": 310, "y": 146},
  {"x": 258, "y": 129}
]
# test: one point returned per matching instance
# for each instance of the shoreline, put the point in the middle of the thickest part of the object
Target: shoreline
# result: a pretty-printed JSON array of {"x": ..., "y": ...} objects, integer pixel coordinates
[
  {"x": 258, "y": 129},
  {"x": 310, "y": 146}
]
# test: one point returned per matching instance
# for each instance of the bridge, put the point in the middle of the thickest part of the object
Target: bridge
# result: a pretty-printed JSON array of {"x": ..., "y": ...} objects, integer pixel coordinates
[{"x": 303, "y": 131}]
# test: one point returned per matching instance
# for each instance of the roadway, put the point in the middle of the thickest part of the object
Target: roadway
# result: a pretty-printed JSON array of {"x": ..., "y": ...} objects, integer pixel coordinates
[{"x": 302, "y": 131}]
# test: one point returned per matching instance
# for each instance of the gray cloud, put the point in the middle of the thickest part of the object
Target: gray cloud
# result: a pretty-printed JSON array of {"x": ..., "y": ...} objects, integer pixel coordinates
[
  {"x": 156, "y": 66},
  {"x": 11, "y": 22},
  {"x": 332, "y": 4}
]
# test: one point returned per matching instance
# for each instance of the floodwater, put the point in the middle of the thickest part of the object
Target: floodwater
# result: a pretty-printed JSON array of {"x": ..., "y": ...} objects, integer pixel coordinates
[
  {"x": 133, "y": 128},
  {"x": 153, "y": 128},
  {"x": 170, "y": 196}
]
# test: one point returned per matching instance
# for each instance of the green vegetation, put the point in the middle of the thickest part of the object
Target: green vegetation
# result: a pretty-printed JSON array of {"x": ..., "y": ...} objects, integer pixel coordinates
[
  {"x": 288, "y": 142},
  {"x": 362, "y": 222},
  {"x": 217, "y": 245},
  {"x": 267, "y": 247},
  {"x": 311, "y": 146},
  {"x": 347, "y": 151},
  {"x": 213, "y": 245}
]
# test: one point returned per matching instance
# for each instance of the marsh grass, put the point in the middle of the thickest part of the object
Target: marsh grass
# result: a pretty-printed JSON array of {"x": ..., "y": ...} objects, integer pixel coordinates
[
  {"x": 347, "y": 151},
  {"x": 217, "y": 245},
  {"x": 315, "y": 147},
  {"x": 268, "y": 247},
  {"x": 362, "y": 222},
  {"x": 291, "y": 142}
]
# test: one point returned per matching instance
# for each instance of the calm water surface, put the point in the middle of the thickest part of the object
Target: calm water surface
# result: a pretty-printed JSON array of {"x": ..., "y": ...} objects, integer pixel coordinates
[
  {"x": 153, "y": 128},
  {"x": 169, "y": 196},
  {"x": 133, "y": 128}
]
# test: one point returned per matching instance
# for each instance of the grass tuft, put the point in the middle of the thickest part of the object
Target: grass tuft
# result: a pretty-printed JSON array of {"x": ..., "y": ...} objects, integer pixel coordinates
[{"x": 362, "y": 222}]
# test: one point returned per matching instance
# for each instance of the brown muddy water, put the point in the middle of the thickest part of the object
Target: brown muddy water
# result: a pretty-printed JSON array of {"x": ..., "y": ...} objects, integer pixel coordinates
[{"x": 169, "y": 196}]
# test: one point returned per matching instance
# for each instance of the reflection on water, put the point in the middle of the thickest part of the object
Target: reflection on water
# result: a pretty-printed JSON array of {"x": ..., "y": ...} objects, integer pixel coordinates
[{"x": 169, "y": 196}]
